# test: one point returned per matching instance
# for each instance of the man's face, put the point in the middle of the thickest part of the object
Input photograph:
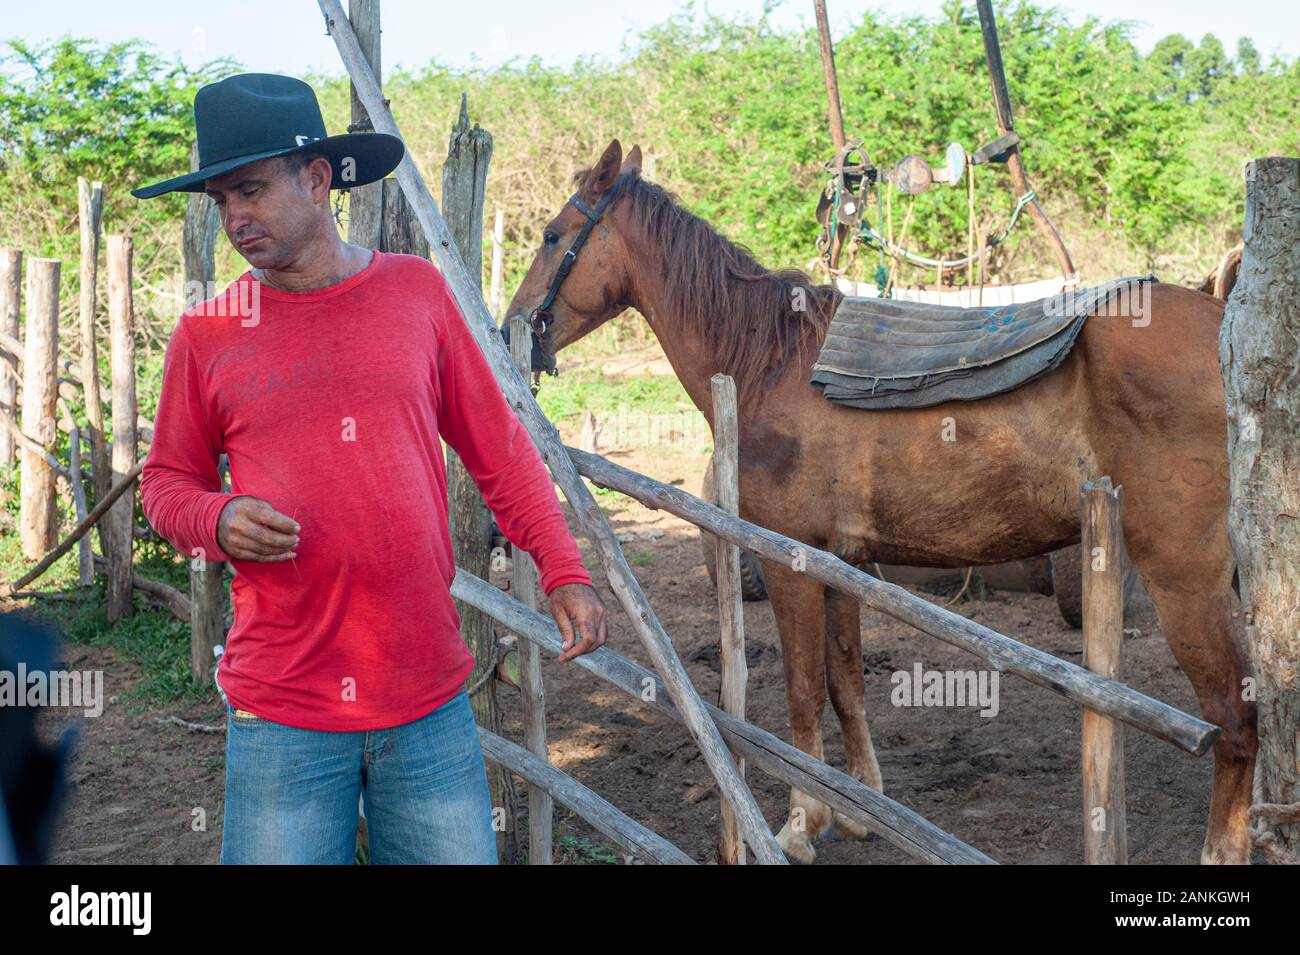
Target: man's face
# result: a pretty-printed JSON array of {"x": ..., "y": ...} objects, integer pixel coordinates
[{"x": 269, "y": 211}]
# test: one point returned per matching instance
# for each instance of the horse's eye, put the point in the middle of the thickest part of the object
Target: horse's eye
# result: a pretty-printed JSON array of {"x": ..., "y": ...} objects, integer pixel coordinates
[{"x": 549, "y": 237}]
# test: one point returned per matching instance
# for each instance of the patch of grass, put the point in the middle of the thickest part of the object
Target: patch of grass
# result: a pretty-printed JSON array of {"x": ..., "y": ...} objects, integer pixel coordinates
[
  {"x": 640, "y": 558},
  {"x": 572, "y": 393},
  {"x": 601, "y": 492},
  {"x": 579, "y": 850}
]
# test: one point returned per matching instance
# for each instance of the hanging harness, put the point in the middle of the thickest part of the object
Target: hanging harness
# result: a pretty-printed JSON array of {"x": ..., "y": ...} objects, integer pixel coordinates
[{"x": 844, "y": 202}]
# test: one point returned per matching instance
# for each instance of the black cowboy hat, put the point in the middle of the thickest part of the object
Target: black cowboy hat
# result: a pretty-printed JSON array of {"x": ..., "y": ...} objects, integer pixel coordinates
[{"x": 252, "y": 116}]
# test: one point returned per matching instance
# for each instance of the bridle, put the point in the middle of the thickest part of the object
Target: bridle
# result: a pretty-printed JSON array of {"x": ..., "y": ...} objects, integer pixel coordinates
[{"x": 542, "y": 316}]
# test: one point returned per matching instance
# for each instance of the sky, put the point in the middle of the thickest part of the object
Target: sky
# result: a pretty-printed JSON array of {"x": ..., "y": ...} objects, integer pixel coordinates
[{"x": 287, "y": 36}]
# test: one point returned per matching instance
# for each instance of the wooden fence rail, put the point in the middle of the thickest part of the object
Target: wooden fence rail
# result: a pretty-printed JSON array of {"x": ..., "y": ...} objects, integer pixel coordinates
[
  {"x": 894, "y": 822},
  {"x": 629, "y": 834},
  {"x": 1003, "y": 653}
]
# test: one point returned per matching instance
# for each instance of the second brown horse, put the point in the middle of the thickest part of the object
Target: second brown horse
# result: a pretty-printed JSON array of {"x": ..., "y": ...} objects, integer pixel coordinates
[{"x": 948, "y": 486}]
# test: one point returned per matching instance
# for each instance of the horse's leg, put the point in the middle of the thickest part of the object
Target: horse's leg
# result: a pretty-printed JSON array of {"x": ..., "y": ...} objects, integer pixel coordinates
[
  {"x": 845, "y": 682},
  {"x": 799, "y": 604},
  {"x": 1187, "y": 571}
]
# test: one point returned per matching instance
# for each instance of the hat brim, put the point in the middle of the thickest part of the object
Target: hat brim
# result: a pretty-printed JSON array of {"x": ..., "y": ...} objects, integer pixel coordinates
[{"x": 373, "y": 155}]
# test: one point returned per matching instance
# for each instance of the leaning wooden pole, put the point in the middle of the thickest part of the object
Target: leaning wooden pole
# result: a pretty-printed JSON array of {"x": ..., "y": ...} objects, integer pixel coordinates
[
  {"x": 465, "y": 288},
  {"x": 1257, "y": 350},
  {"x": 1105, "y": 829},
  {"x": 38, "y": 518},
  {"x": 101, "y": 507},
  {"x": 90, "y": 203},
  {"x": 731, "y": 615},
  {"x": 523, "y": 584},
  {"x": 121, "y": 320},
  {"x": 1015, "y": 164}
]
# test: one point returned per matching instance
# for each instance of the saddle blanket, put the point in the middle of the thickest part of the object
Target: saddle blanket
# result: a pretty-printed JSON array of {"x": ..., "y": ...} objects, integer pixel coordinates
[{"x": 881, "y": 353}]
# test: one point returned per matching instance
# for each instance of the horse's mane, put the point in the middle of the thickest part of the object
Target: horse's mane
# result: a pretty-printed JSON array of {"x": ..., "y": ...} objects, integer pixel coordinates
[{"x": 745, "y": 313}]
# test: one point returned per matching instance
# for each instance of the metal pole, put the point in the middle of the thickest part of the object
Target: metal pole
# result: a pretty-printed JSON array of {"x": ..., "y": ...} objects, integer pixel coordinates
[
  {"x": 832, "y": 101},
  {"x": 828, "y": 68},
  {"x": 1016, "y": 165}
]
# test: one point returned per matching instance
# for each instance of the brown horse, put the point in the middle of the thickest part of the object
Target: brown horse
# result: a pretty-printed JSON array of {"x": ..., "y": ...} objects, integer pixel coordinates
[{"x": 1140, "y": 402}]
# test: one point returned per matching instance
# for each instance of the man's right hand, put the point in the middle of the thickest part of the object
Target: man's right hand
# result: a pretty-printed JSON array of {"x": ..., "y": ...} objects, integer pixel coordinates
[{"x": 251, "y": 529}]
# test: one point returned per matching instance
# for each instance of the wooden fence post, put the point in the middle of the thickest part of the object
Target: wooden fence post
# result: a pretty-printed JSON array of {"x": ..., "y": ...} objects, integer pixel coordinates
[
  {"x": 464, "y": 181},
  {"x": 1105, "y": 832},
  {"x": 11, "y": 280},
  {"x": 90, "y": 203},
  {"x": 365, "y": 203},
  {"x": 523, "y": 586},
  {"x": 121, "y": 321},
  {"x": 208, "y": 599},
  {"x": 1257, "y": 351},
  {"x": 38, "y": 516},
  {"x": 400, "y": 232},
  {"x": 731, "y": 614},
  {"x": 85, "y": 554}
]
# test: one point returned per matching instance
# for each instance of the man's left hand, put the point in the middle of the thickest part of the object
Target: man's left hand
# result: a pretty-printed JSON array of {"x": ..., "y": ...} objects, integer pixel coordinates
[{"x": 577, "y": 610}]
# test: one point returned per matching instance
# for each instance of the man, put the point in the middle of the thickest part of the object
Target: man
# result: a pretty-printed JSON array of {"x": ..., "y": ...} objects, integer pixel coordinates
[{"x": 326, "y": 374}]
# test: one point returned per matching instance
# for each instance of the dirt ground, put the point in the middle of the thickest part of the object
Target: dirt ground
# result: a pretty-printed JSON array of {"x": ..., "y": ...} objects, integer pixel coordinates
[{"x": 146, "y": 791}]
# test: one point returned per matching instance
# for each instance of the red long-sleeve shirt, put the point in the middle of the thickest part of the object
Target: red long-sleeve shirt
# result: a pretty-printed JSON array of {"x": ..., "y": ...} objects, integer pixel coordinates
[{"x": 329, "y": 404}]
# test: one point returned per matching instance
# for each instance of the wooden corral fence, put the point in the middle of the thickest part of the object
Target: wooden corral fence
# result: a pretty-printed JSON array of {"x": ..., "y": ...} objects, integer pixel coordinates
[
  {"x": 1108, "y": 701},
  {"x": 729, "y": 744},
  {"x": 36, "y": 386}
]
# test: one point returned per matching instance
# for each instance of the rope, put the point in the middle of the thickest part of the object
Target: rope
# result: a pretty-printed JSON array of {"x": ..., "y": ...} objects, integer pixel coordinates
[
  {"x": 489, "y": 670},
  {"x": 966, "y": 583},
  {"x": 902, "y": 236},
  {"x": 870, "y": 235}
]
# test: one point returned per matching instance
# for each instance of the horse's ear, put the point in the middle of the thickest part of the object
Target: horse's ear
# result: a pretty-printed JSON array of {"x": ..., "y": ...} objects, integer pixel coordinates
[
  {"x": 632, "y": 163},
  {"x": 603, "y": 174}
]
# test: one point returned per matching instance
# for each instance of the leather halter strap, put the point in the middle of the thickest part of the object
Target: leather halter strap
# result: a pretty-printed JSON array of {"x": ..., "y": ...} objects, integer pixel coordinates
[{"x": 541, "y": 316}]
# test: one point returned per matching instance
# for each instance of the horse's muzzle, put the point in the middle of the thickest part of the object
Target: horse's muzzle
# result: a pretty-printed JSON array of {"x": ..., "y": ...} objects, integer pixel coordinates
[{"x": 542, "y": 358}]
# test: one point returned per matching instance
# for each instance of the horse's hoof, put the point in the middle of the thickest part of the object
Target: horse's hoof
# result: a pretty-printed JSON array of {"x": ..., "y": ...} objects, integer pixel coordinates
[
  {"x": 798, "y": 848},
  {"x": 850, "y": 828}
]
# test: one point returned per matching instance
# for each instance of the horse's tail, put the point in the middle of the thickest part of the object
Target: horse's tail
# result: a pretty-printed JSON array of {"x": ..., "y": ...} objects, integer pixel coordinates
[{"x": 1221, "y": 281}]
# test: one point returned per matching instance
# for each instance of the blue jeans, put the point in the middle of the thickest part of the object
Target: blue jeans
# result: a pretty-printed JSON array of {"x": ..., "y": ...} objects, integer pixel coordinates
[{"x": 292, "y": 794}]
